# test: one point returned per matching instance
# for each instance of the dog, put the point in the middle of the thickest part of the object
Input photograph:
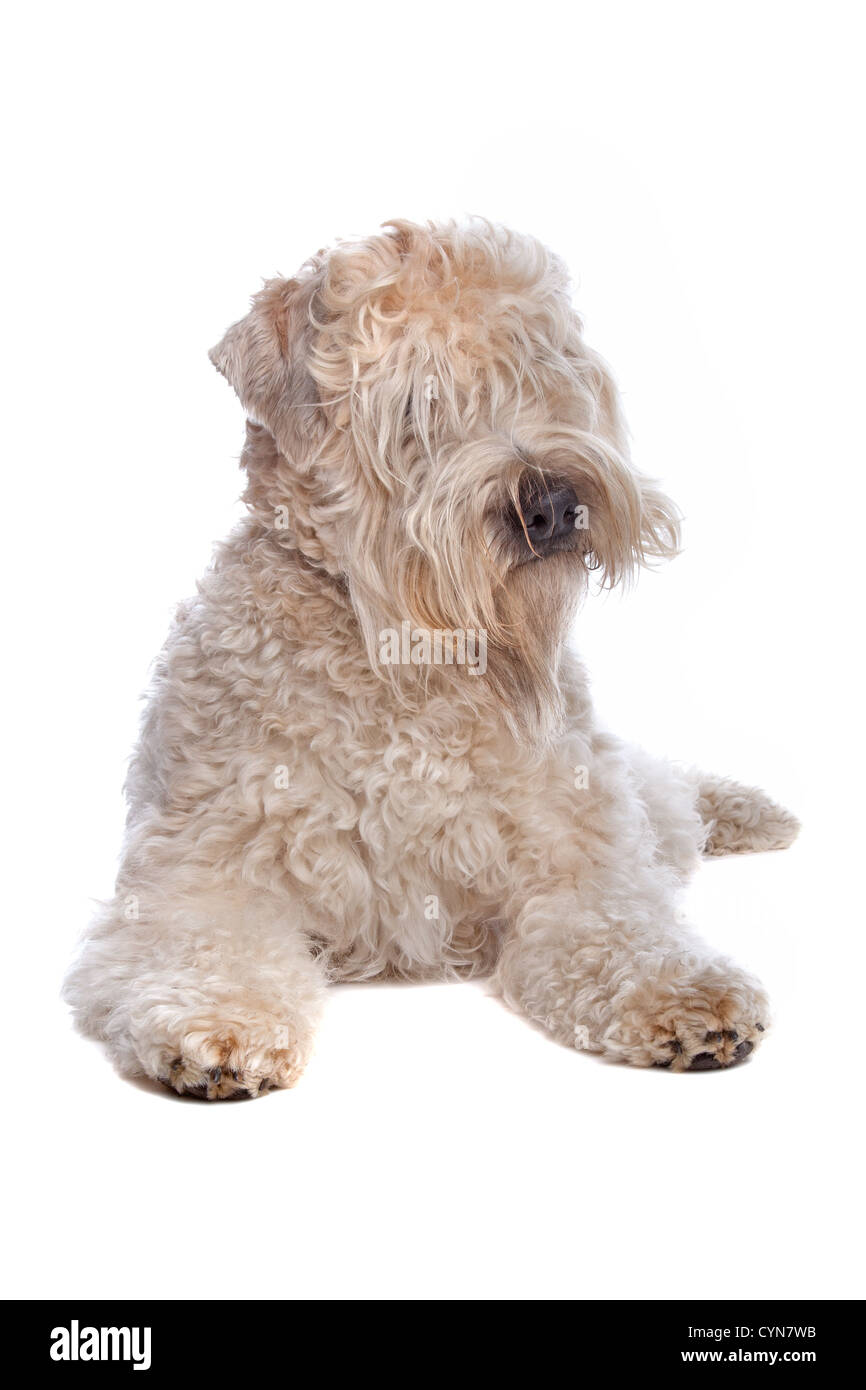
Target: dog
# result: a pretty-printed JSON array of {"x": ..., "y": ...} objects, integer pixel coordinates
[{"x": 331, "y": 784}]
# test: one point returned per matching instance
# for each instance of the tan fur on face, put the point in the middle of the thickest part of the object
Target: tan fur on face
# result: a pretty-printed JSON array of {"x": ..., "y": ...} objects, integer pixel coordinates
[
  {"x": 300, "y": 811},
  {"x": 410, "y": 381}
]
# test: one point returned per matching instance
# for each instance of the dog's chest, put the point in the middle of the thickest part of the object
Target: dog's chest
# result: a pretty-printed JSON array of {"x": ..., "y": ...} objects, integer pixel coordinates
[
  {"x": 404, "y": 789},
  {"x": 405, "y": 830}
]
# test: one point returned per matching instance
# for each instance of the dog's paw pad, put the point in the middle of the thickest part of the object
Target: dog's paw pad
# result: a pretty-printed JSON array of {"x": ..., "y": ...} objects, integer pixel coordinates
[
  {"x": 231, "y": 1063},
  {"x": 706, "y": 1021},
  {"x": 720, "y": 1049},
  {"x": 704, "y": 1061},
  {"x": 187, "y": 1079}
]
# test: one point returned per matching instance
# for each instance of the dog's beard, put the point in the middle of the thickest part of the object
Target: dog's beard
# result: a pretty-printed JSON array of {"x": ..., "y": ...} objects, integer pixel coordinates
[
  {"x": 521, "y": 611},
  {"x": 455, "y": 560},
  {"x": 535, "y": 609}
]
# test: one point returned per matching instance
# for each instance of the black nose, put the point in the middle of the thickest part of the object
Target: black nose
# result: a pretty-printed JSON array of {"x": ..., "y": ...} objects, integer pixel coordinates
[{"x": 548, "y": 513}]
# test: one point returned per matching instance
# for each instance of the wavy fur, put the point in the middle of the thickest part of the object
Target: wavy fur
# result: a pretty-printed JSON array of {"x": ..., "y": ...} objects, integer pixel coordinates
[{"x": 301, "y": 812}]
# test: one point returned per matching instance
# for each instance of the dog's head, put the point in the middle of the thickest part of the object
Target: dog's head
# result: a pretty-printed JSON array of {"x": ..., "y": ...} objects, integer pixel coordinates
[{"x": 444, "y": 439}]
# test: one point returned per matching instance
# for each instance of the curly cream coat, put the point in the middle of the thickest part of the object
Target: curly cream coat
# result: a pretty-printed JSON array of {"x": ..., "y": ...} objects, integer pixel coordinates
[{"x": 301, "y": 811}]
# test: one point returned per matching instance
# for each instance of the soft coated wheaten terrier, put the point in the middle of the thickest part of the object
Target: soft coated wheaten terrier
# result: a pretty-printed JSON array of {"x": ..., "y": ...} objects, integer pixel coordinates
[{"x": 368, "y": 749}]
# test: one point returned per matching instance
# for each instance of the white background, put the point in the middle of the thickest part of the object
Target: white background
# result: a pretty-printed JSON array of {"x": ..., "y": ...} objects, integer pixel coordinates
[{"x": 700, "y": 168}]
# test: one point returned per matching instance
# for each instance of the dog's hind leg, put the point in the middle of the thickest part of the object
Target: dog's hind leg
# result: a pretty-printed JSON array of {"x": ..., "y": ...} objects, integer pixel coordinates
[
  {"x": 692, "y": 813},
  {"x": 211, "y": 991},
  {"x": 667, "y": 794},
  {"x": 741, "y": 820}
]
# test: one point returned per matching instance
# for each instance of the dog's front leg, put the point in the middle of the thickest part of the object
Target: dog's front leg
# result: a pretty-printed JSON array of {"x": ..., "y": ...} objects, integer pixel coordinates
[
  {"x": 606, "y": 967},
  {"x": 209, "y": 989}
]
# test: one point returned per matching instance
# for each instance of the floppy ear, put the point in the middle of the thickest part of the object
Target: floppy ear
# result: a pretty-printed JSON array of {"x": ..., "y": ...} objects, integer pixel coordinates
[
  {"x": 660, "y": 523},
  {"x": 654, "y": 528},
  {"x": 264, "y": 357}
]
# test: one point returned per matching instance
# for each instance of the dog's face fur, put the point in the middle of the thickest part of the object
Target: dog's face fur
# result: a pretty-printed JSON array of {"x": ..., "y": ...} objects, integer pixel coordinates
[{"x": 408, "y": 397}]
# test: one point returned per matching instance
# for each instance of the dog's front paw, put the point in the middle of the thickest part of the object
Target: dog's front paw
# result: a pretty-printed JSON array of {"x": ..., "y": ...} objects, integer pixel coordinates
[
  {"x": 690, "y": 1019},
  {"x": 228, "y": 1059}
]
